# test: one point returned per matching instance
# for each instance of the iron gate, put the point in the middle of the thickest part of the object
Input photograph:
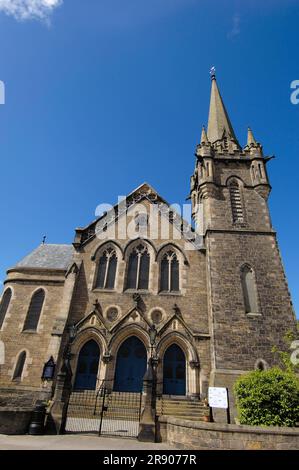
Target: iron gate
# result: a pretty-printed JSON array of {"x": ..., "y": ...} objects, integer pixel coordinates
[{"x": 104, "y": 412}]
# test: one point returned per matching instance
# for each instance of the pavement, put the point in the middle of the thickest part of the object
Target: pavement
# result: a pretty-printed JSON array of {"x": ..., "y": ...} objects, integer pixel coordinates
[{"x": 76, "y": 442}]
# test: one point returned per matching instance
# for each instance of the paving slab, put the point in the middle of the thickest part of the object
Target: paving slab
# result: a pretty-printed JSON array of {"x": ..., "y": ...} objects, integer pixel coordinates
[{"x": 76, "y": 442}]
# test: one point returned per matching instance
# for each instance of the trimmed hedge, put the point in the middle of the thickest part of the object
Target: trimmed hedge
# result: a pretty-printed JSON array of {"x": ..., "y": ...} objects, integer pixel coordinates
[{"x": 268, "y": 398}]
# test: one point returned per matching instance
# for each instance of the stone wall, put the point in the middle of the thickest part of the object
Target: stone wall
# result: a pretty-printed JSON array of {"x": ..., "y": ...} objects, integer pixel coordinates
[
  {"x": 14, "y": 421},
  {"x": 18, "y": 398},
  {"x": 185, "y": 434},
  {"x": 241, "y": 339},
  {"x": 36, "y": 343}
]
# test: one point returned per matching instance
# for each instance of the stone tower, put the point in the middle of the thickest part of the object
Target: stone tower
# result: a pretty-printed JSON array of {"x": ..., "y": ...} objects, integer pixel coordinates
[{"x": 249, "y": 303}]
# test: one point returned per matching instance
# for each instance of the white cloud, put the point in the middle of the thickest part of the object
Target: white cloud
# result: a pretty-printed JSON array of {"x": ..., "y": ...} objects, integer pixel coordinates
[
  {"x": 236, "y": 29},
  {"x": 29, "y": 9}
]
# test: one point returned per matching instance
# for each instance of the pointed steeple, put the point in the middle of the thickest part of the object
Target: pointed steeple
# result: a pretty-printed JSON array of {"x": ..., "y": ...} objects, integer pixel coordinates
[
  {"x": 250, "y": 138},
  {"x": 219, "y": 124},
  {"x": 204, "y": 137}
]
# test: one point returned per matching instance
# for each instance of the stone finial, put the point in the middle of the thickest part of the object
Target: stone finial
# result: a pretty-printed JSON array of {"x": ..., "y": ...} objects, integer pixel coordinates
[
  {"x": 177, "y": 310},
  {"x": 252, "y": 145},
  {"x": 250, "y": 138},
  {"x": 204, "y": 137}
]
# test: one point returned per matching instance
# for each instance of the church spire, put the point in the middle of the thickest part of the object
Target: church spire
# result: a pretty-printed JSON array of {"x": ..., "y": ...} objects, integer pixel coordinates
[{"x": 219, "y": 125}]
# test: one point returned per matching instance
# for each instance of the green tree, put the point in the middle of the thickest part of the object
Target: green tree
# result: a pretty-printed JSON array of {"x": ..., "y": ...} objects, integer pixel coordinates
[{"x": 268, "y": 398}]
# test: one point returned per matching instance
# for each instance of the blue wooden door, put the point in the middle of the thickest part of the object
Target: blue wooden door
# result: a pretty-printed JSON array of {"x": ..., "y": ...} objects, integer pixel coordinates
[
  {"x": 87, "y": 368},
  {"x": 174, "y": 371},
  {"x": 130, "y": 366}
]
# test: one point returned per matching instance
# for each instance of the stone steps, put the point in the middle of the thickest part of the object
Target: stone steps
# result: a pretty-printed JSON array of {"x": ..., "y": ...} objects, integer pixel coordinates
[
  {"x": 185, "y": 408},
  {"x": 88, "y": 404}
]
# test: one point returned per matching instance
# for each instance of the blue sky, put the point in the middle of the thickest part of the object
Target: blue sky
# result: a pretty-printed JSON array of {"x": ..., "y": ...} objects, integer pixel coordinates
[{"x": 102, "y": 95}]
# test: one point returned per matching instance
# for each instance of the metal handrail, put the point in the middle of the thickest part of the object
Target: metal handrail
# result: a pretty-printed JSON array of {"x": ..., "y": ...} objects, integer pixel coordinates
[{"x": 102, "y": 389}]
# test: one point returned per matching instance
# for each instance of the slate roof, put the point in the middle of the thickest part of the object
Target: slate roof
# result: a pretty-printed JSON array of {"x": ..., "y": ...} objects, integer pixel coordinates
[{"x": 48, "y": 256}]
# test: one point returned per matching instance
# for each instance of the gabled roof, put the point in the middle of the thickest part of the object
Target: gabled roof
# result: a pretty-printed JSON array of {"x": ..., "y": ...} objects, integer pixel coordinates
[
  {"x": 48, "y": 256},
  {"x": 142, "y": 192}
]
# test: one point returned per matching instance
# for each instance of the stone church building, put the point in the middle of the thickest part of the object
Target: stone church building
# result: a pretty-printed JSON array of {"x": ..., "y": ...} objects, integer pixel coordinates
[{"x": 216, "y": 297}]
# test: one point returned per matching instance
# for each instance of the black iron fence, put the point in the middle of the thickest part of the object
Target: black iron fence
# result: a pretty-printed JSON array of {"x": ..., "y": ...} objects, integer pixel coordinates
[
  {"x": 120, "y": 414},
  {"x": 104, "y": 411}
]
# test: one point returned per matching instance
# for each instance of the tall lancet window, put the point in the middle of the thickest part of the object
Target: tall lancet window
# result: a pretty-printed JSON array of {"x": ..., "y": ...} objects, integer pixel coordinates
[
  {"x": 236, "y": 201},
  {"x": 138, "y": 268},
  {"x": 18, "y": 372},
  {"x": 34, "y": 311},
  {"x": 6, "y": 298},
  {"x": 170, "y": 273},
  {"x": 249, "y": 290},
  {"x": 107, "y": 270}
]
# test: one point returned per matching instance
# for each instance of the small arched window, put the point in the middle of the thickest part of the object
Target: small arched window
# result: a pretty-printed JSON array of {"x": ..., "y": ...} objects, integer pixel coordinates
[
  {"x": 138, "y": 268},
  {"x": 107, "y": 270},
  {"x": 249, "y": 289},
  {"x": 170, "y": 273},
  {"x": 6, "y": 298},
  {"x": 236, "y": 201},
  {"x": 17, "y": 375},
  {"x": 261, "y": 365},
  {"x": 34, "y": 311}
]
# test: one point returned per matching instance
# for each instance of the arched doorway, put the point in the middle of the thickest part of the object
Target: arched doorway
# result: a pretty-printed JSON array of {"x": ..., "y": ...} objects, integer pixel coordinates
[
  {"x": 174, "y": 371},
  {"x": 130, "y": 366},
  {"x": 87, "y": 367}
]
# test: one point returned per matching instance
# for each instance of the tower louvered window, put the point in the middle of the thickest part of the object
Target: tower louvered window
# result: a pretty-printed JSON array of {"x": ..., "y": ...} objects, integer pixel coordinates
[
  {"x": 107, "y": 270},
  {"x": 4, "y": 305},
  {"x": 169, "y": 277},
  {"x": 19, "y": 366},
  {"x": 138, "y": 268},
  {"x": 34, "y": 310},
  {"x": 236, "y": 202}
]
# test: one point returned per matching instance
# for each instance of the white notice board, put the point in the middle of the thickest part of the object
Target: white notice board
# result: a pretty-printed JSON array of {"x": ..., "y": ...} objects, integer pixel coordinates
[{"x": 218, "y": 397}]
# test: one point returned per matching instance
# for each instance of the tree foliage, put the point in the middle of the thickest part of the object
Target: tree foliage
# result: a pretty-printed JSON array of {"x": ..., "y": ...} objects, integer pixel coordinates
[{"x": 268, "y": 398}]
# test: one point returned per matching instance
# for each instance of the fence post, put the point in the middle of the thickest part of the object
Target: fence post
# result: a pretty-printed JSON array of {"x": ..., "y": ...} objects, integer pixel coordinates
[
  {"x": 147, "y": 425},
  {"x": 102, "y": 411}
]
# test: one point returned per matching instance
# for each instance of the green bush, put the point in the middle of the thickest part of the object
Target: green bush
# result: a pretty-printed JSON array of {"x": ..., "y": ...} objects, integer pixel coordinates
[{"x": 268, "y": 398}]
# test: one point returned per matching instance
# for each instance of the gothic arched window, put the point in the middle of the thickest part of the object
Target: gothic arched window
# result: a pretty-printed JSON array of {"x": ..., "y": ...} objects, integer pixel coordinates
[
  {"x": 17, "y": 375},
  {"x": 170, "y": 273},
  {"x": 107, "y": 270},
  {"x": 34, "y": 311},
  {"x": 4, "y": 305},
  {"x": 138, "y": 268},
  {"x": 236, "y": 201},
  {"x": 249, "y": 290}
]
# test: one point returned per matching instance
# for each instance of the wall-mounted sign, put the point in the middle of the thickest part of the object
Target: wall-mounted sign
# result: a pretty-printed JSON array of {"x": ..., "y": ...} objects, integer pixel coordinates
[{"x": 218, "y": 397}]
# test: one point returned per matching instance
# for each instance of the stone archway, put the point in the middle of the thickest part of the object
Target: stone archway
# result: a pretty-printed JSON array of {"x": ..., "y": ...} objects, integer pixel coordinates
[
  {"x": 174, "y": 371},
  {"x": 131, "y": 363},
  {"x": 87, "y": 366}
]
